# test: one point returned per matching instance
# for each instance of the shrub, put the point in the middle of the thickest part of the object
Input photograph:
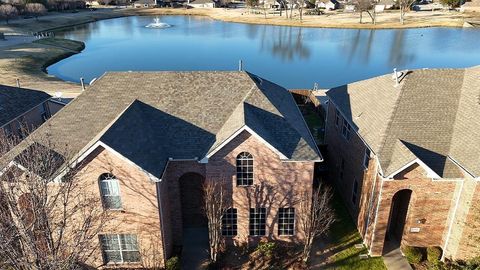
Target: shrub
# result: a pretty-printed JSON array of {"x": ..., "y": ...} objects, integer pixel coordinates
[
  {"x": 173, "y": 263},
  {"x": 266, "y": 248},
  {"x": 413, "y": 254},
  {"x": 434, "y": 254}
]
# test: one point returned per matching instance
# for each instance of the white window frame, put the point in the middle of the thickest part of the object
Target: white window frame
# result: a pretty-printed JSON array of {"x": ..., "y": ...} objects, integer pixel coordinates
[
  {"x": 366, "y": 158},
  {"x": 244, "y": 157},
  {"x": 287, "y": 221},
  {"x": 230, "y": 218},
  {"x": 257, "y": 222},
  {"x": 109, "y": 182},
  {"x": 120, "y": 250}
]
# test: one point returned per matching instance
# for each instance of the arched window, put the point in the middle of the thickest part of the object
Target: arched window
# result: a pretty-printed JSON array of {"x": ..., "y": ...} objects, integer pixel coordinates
[
  {"x": 244, "y": 169},
  {"x": 110, "y": 191}
]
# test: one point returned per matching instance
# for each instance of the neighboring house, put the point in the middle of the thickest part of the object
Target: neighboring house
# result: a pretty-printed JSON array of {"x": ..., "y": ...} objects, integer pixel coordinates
[
  {"x": 201, "y": 4},
  {"x": 383, "y": 5},
  {"x": 349, "y": 7},
  {"x": 328, "y": 4},
  {"x": 23, "y": 110},
  {"x": 471, "y": 6},
  {"x": 151, "y": 139},
  {"x": 405, "y": 158},
  {"x": 145, "y": 4},
  {"x": 271, "y": 4}
]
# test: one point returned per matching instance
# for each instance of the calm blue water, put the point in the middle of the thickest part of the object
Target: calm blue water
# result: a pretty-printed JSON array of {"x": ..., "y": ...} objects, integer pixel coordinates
[{"x": 290, "y": 56}]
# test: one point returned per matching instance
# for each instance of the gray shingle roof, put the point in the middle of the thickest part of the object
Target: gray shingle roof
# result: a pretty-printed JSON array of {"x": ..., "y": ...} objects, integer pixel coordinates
[
  {"x": 432, "y": 115},
  {"x": 151, "y": 116},
  {"x": 16, "y": 101}
]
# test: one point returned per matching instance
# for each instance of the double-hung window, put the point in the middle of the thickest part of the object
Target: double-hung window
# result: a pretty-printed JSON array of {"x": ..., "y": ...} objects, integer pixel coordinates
[
  {"x": 337, "y": 118},
  {"x": 258, "y": 219},
  {"x": 110, "y": 191},
  {"x": 286, "y": 221},
  {"x": 229, "y": 222},
  {"x": 119, "y": 248}
]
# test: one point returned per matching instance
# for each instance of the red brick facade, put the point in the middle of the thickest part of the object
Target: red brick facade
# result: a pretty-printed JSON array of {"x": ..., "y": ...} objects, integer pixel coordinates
[
  {"x": 440, "y": 211},
  {"x": 153, "y": 210}
]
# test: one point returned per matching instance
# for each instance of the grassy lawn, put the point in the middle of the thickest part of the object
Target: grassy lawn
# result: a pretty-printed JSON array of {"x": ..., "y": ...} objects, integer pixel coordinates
[
  {"x": 343, "y": 237},
  {"x": 316, "y": 124}
]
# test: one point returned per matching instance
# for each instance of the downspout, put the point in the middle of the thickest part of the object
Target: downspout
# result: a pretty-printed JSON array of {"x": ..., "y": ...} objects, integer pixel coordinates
[
  {"x": 162, "y": 229},
  {"x": 451, "y": 221},
  {"x": 376, "y": 215},
  {"x": 371, "y": 198}
]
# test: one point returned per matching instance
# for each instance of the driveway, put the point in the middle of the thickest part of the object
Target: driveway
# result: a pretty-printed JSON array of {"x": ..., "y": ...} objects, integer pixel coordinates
[{"x": 195, "y": 248}]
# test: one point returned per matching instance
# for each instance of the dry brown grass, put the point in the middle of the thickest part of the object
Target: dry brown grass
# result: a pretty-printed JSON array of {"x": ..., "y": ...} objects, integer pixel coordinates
[{"x": 27, "y": 61}]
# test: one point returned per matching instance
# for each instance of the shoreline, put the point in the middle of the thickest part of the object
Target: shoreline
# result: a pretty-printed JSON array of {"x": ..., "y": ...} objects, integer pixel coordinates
[
  {"x": 386, "y": 20},
  {"x": 29, "y": 61}
]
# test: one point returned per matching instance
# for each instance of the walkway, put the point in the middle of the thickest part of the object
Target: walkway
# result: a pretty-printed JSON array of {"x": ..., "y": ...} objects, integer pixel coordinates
[
  {"x": 195, "y": 248},
  {"x": 394, "y": 260}
]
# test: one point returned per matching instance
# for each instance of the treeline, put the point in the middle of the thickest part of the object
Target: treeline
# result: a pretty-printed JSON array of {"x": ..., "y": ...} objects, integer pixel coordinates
[{"x": 10, "y": 9}]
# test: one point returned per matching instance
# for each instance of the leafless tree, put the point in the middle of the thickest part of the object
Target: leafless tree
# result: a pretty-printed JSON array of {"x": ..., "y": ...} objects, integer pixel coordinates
[
  {"x": 8, "y": 12},
  {"x": 48, "y": 219},
  {"x": 35, "y": 9},
  {"x": 316, "y": 216},
  {"x": 404, "y": 6},
  {"x": 217, "y": 202},
  {"x": 367, "y": 6}
]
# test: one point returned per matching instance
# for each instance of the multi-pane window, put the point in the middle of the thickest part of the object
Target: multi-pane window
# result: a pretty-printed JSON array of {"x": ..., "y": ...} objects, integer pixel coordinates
[
  {"x": 346, "y": 129},
  {"x": 110, "y": 190},
  {"x": 229, "y": 222},
  {"x": 286, "y": 221},
  {"x": 355, "y": 192},
  {"x": 366, "y": 158},
  {"x": 119, "y": 248},
  {"x": 244, "y": 169},
  {"x": 337, "y": 118},
  {"x": 258, "y": 219}
]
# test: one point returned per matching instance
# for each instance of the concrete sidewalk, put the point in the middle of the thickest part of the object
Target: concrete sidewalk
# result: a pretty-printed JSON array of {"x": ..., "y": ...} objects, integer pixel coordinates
[
  {"x": 394, "y": 259},
  {"x": 195, "y": 248}
]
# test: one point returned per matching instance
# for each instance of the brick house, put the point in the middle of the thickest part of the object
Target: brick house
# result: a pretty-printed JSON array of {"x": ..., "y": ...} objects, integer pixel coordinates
[
  {"x": 22, "y": 108},
  {"x": 148, "y": 141},
  {"x": 404, "y": 153}
]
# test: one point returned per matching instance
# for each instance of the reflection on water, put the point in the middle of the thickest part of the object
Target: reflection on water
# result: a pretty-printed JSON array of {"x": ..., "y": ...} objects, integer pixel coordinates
[{"x": 292, "y": 56}]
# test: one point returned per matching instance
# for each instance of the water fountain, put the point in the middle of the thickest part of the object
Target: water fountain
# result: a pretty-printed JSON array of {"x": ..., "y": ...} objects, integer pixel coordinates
[{"x": 157, "y": 24}]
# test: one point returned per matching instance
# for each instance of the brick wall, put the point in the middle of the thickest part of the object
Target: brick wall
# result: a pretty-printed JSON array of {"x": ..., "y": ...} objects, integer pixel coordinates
[
  {"x": 276, "y": 184},
  {"x": 140, "y": 212}
]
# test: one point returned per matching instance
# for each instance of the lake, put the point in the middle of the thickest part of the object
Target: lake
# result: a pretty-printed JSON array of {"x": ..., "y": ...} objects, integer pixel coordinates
[{"x": 290, "y": 56}]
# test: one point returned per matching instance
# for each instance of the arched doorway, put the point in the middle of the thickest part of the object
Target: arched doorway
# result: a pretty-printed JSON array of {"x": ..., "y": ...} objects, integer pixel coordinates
[
  {"x": 192, "y": 200},
  {"x": 397, "y": 219}
]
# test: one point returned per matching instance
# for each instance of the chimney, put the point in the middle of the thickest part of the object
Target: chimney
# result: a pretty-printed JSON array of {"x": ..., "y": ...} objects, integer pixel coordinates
[
  {"x": 18, "y": 82},
  {"x": 240, "y": 65}
]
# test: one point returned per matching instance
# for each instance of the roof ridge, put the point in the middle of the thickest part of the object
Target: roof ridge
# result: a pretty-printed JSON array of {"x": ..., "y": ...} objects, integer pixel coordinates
[{"x": 390, "y": 120}]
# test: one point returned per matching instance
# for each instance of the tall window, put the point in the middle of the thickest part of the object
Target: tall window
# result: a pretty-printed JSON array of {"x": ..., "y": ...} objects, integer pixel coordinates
[
  {"x": 286, "y": 221},
  {"x": 244, "y": 169},
  {"x": 110, "y": 191},
  {"x": 366, "y": 158},
  {"x": 119, "y": 248},
  {"x": 355, "y": 192},
  {"x": 337, "y": 118},
  {"x": 229, "y": 222},
  {"x": 346, "y": 129},
  {"x": 258, "y": 219}
]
